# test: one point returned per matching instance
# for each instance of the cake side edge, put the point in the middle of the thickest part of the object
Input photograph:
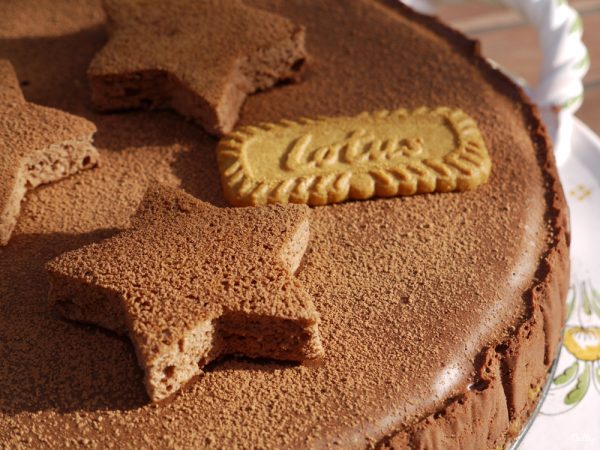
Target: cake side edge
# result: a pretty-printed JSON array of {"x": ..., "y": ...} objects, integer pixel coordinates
[{"x": 510, "y": 375}]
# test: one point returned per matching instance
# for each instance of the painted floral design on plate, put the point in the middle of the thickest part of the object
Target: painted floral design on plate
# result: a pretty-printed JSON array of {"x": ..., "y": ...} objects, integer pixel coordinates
[{"x": 579, "y": 372}]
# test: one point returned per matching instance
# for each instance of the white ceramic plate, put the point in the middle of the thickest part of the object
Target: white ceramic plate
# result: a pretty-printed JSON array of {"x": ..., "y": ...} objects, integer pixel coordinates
[{"x": 569, "y": 417}]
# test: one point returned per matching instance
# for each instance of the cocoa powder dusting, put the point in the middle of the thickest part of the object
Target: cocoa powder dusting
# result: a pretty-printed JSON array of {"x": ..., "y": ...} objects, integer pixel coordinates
[{"x": 409, "y": 290}]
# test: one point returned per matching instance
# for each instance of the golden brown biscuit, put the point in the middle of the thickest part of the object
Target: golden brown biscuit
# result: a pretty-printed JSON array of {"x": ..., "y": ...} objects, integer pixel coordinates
[
  {"x": 190, "y": 282},
  {"x": 328, "y": 160}
]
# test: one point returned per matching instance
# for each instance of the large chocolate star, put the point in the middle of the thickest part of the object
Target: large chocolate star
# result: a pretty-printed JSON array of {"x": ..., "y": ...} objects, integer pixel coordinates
[
  {"x": 190, "y": 282},
  {"x": 37, "y": 145},
  {"x": 201, "y": 58}
]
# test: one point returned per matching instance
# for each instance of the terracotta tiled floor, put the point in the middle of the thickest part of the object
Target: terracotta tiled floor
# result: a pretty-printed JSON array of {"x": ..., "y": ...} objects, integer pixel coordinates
[{"x": 506, "y": 38}]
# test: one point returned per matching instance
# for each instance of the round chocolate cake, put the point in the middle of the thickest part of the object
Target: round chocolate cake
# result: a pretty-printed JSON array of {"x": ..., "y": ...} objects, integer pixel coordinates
[{"x": 440, "y": 313}]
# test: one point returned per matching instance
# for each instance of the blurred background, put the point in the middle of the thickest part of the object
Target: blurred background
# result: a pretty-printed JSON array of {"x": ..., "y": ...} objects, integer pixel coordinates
[{"x": 509, "y": 40}]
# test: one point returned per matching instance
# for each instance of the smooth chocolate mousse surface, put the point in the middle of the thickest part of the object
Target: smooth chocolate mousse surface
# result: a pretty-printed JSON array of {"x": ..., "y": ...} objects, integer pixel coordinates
[{"x": 439, "y": 313}]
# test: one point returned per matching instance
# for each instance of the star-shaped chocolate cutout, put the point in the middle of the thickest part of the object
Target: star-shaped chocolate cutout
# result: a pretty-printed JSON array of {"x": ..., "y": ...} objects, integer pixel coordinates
[
  {"x": 37, "y": 145},
  {"x": 190, "y": 282},
  {"x": 201, "y": 58}
]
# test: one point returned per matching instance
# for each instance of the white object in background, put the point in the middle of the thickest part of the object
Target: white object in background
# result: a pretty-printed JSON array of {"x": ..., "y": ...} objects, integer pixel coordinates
[{"x": 565, "y": 62}]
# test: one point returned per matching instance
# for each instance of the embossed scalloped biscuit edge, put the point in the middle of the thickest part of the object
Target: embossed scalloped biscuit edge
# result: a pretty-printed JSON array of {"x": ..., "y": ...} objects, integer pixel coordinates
[{"x": 462, "y": 169}]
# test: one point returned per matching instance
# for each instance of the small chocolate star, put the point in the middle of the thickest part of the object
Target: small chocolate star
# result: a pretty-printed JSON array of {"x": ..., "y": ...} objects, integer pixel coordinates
[
  {"x": 37, "y": 145},
  {"x": 200, "y": 58},
  {"x": 190, "y": 282}
]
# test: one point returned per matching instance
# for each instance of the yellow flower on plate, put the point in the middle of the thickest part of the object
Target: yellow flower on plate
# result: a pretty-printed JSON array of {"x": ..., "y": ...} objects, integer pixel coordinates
[{"x": 583, "y": 342}]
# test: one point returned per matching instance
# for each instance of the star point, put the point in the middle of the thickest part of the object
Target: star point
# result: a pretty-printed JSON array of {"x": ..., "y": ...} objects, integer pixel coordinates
[
  {"x": 190, "y": 282},
  {"x": 38, "y": 145},
  {"x": 200, "y": 58}
]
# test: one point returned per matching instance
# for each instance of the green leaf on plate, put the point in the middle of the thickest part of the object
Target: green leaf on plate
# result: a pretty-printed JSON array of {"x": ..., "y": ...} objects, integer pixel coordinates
[
  {"x": 595, "y": 301},
  {"x": 596, "y": 295},
  {"x": 577, "y": 25},
  {"x": 584, "y": 62},
  {"x": 596, "y": 309},
  {"x": 572, "y": 101},
  {"x": 583, "y": 383},
  {"x": 567, "y": 375},
  {"x": 587, "y": 303},
  {"x": 572, "y": 299}
]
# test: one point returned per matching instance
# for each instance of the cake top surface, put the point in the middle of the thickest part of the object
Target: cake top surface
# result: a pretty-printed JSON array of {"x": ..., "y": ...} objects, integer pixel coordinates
[
  {"x": 26, "y": 128},
  {"x": 178, "y": 37},
  {"x": 409, "y": 290},
  {"x": 10, "y": 91},
  {"x": 184, "y": 262}
]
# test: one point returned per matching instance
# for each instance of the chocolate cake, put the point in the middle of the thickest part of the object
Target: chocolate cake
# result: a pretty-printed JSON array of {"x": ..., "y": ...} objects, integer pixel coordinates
[{"x": 440, "y": 313}]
